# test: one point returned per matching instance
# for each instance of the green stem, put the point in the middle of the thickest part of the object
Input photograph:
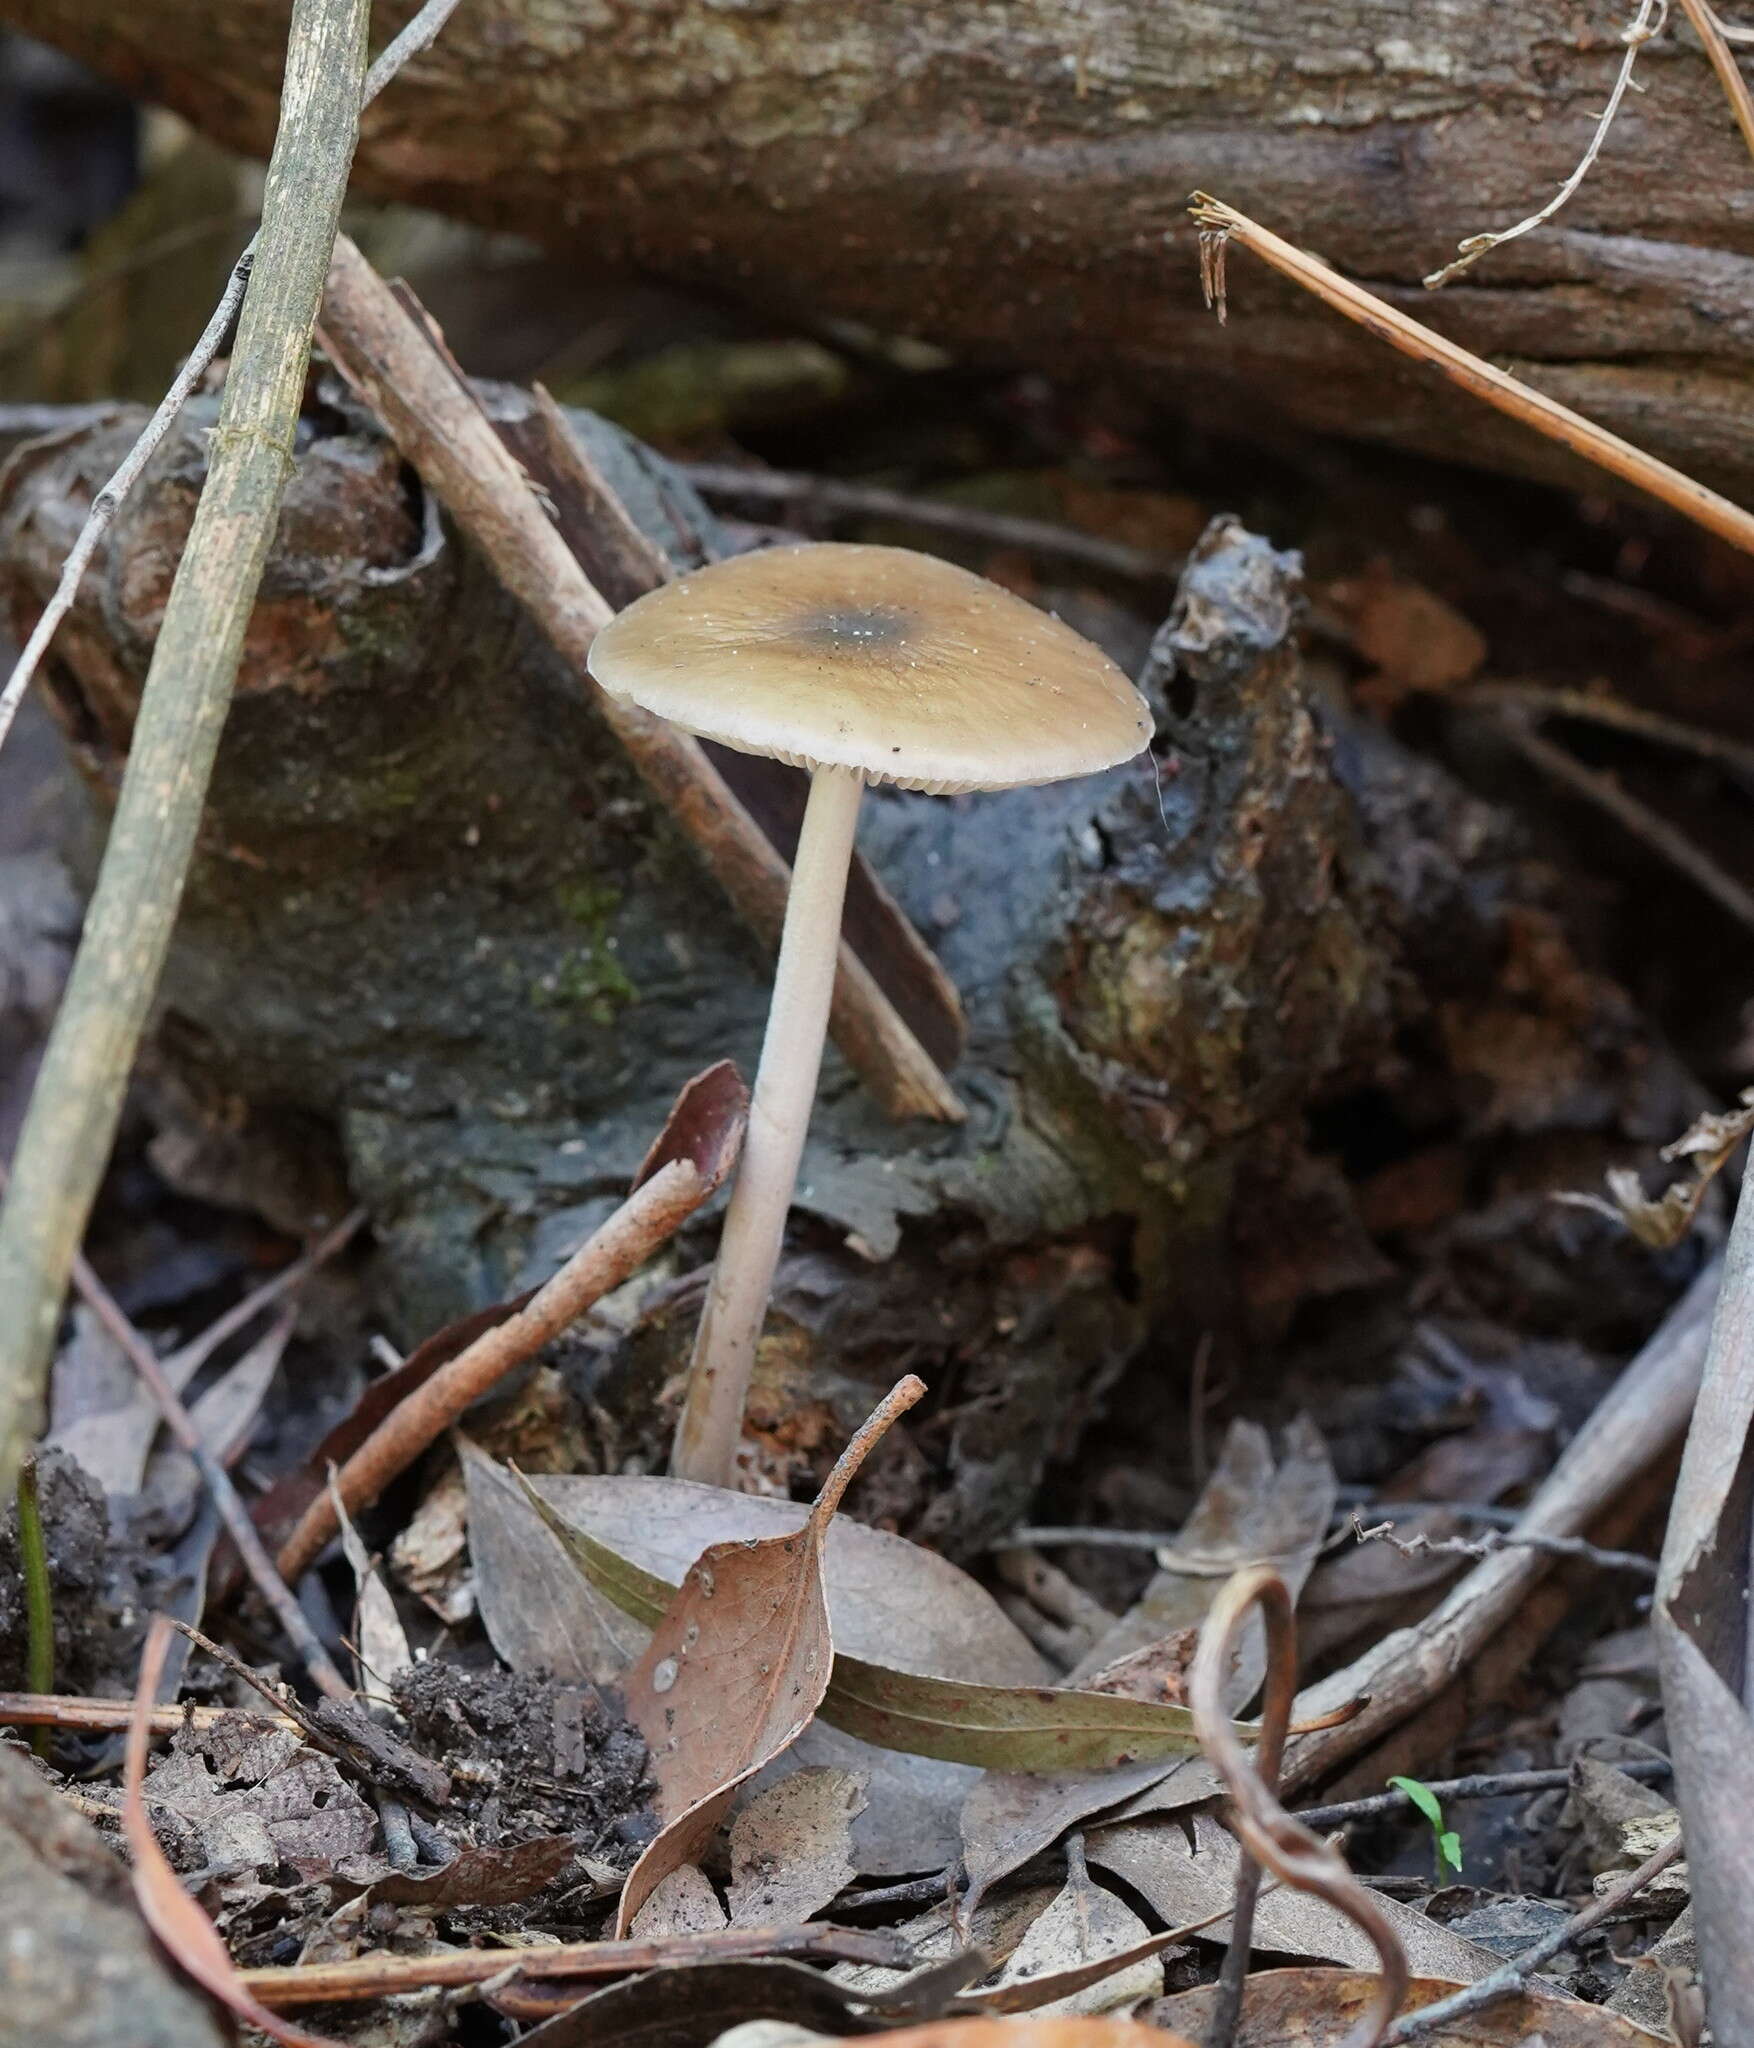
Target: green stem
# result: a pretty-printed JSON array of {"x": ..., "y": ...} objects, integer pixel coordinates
[{"x": 39, "y": 1596}]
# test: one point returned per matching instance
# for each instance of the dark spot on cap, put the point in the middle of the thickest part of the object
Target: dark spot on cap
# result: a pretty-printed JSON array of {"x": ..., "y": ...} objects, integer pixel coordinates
[{"x": 845, "y": 628}]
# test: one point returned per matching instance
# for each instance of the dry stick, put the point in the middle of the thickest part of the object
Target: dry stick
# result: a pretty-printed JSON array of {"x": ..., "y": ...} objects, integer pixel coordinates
[
  {"x": 1480, "y": 1785},
  {"x": 85, "y": 1716},
  {"x": 1710, "y": 32},
  {"x": 1663, "y": 839},
  {"x": 441, "y": 429},
  {"x": 1220, "y": 224},
  {"x": 650, "y": 1215},
  {"x": 216, "y": 1479},
  {"x": 729, "y": 482},
  {"x": 1631, "y": 1429},
  {"x": 383, "y": 1976},
  {"x": 1498, "y": 1539},
  {"x": 1513, "y": 1977},
  {"x": 1648, "y": 22},
  {"x": 1591, "y": 707},
  {"x": 108, "y": 502},
  {"x": 71, "y": 1123}
]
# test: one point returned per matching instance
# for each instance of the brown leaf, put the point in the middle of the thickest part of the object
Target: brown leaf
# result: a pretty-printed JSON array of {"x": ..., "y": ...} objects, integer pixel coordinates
[
  {"x": 1317, "y": 2008},
  {"x": 173, "y": 1916},
  {"x": 791, "y": 1847},
  {"x": 481, "y": 1875},
  {"x": 705, "y": 1127},
  {"x": 736, "y": 1668},
  {"x": 1251, "y": 1509}
]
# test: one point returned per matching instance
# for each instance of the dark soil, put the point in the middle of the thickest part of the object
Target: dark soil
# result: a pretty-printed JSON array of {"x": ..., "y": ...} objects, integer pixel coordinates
[
  {"x": 532, "y": 1756},
  {"x": 92, "y": 1582}
]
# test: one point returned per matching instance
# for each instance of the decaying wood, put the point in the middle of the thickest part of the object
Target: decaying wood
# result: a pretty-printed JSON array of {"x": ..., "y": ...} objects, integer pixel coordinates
[
  {"x": 436, "y": 421},
  {"x": 1013, "y": 186}
]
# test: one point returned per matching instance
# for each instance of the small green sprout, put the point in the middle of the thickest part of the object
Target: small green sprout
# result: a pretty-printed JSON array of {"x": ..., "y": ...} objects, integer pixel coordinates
[{"x": 1447, "y": 1843}]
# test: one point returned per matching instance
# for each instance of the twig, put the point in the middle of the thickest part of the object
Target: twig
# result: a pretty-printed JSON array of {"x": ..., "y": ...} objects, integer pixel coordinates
[
  {"x": 1481, "y": 1785},
  {"x": 1712, "y": 34},
  {"x": 1592, "y": 707},
  {"x": 1630, "y": 1430},
  {"x": 1167, "y": 1539},
  {"x": 82, "y": 1716},
  {"x": 732, "y": 483},
  {"x": 1266, "y": 1833},
  {"x": 1499, "y": 1539},
  {"x": 71, "y": 1124},
  {"x": 427, "y": 409},
  {"x": 216, "y": 1479},
  {"x": 1496, "y": 387},
  {"x": 652, "y": 1214},
  {"x": 419, "y": 33},
  {"x": 1512, "y": 1977},
  {"x": 39, "y": 1594},
  {"x": 1650, "y": 20},
  {"x": 1663, "y": 839},
  {"x": 382, "y": 1976}
]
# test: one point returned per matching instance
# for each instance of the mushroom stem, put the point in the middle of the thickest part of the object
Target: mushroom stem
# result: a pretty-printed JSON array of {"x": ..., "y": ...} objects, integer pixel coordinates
[{"x": 779, "y": 1115}]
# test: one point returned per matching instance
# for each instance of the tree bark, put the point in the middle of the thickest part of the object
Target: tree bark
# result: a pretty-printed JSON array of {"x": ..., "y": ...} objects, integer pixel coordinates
[{"x": 1012, "y": 182}]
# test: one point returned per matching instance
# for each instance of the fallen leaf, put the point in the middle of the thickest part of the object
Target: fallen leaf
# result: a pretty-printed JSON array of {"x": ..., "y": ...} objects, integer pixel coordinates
[
  {"x": 1253, "y": 1510},
  {"x": 483, "y": 1875},
  {"x": 167, "y": 1909},
  {"x": 1316, "y": 2008},
  {"x": 253, "y": 1798},
  {"x": 888, "y": 1599},
  {"x": 791, "y": 1847},
  {"x": 539, "y": 1612},
  {"x": 1013, "y": 1728},
  {"x": 1069, "y": 2031},
  {"x": 909, "y": 1822},
  {"x": 689, "y": 2008},
  {"x": 682, "y": 1902},
  {"x": 430, "y": 1556},
  {"x": 1084, "y": 1929},
  {"x": 736, "y": 1668},
  {"x": 380, "y": 1643},
  {"x": 1250, "y": 1510},
  {"x": 1184, "y": 1879}
]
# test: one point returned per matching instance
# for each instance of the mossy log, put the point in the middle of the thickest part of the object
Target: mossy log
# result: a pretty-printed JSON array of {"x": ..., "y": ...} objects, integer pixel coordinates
[
  {"x": 1013, "y": 182},
  {"x": 439, "y": 947}
]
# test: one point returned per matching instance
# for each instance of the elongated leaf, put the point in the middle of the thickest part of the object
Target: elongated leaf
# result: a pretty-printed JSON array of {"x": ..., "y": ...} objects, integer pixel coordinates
[
  {"x": 735, "y": 1669},
  {"x": 1029, "y": 1728}
]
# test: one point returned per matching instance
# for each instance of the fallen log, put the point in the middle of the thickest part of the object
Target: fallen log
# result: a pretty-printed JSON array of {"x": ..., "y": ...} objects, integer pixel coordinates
[{"x": 1014, "y": 186}]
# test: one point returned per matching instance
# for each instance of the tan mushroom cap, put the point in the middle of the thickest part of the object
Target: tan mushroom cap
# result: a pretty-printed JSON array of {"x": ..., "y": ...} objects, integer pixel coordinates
[{"x": 873, "y": 658}]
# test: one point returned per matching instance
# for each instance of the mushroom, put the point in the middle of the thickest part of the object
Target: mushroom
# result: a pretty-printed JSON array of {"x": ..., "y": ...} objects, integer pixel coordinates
[{"x": 861, "y": 664}]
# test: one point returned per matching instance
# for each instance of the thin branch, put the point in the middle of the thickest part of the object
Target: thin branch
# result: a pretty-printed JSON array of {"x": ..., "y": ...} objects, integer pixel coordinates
[
  {"x": 1478, "y": 377},
  {"x": 1663, "y": 839},
  {"x": 1593, "y": 707},
  {"x": 1499, "y": 1539},
  {"x": 382, "y": 1976},
  {"x": 1479, "y": 1785},
  {"x": 215, "y": 1478},
  {"x": 1514, "y": 1976},
  {"x": 82, "y": 1716},
  {"x": 1715, "y": 37},
  {"x": 74, "y": 1106},
  {"x": 419, "y": 33},
  {"x": 71, "y": 1124},
  {"x": 649, "y": 1216},
  {"x": 732, "y": 483},
  {"x": 1650, "y": 21}
]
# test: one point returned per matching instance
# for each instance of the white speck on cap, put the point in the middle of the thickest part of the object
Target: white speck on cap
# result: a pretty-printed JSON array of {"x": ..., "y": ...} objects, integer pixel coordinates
[{"x": 895, "y": 663}]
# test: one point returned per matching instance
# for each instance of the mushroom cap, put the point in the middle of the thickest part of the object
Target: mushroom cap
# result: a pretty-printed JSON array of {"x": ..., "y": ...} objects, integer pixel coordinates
[{"x": 895, "y": 663}]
